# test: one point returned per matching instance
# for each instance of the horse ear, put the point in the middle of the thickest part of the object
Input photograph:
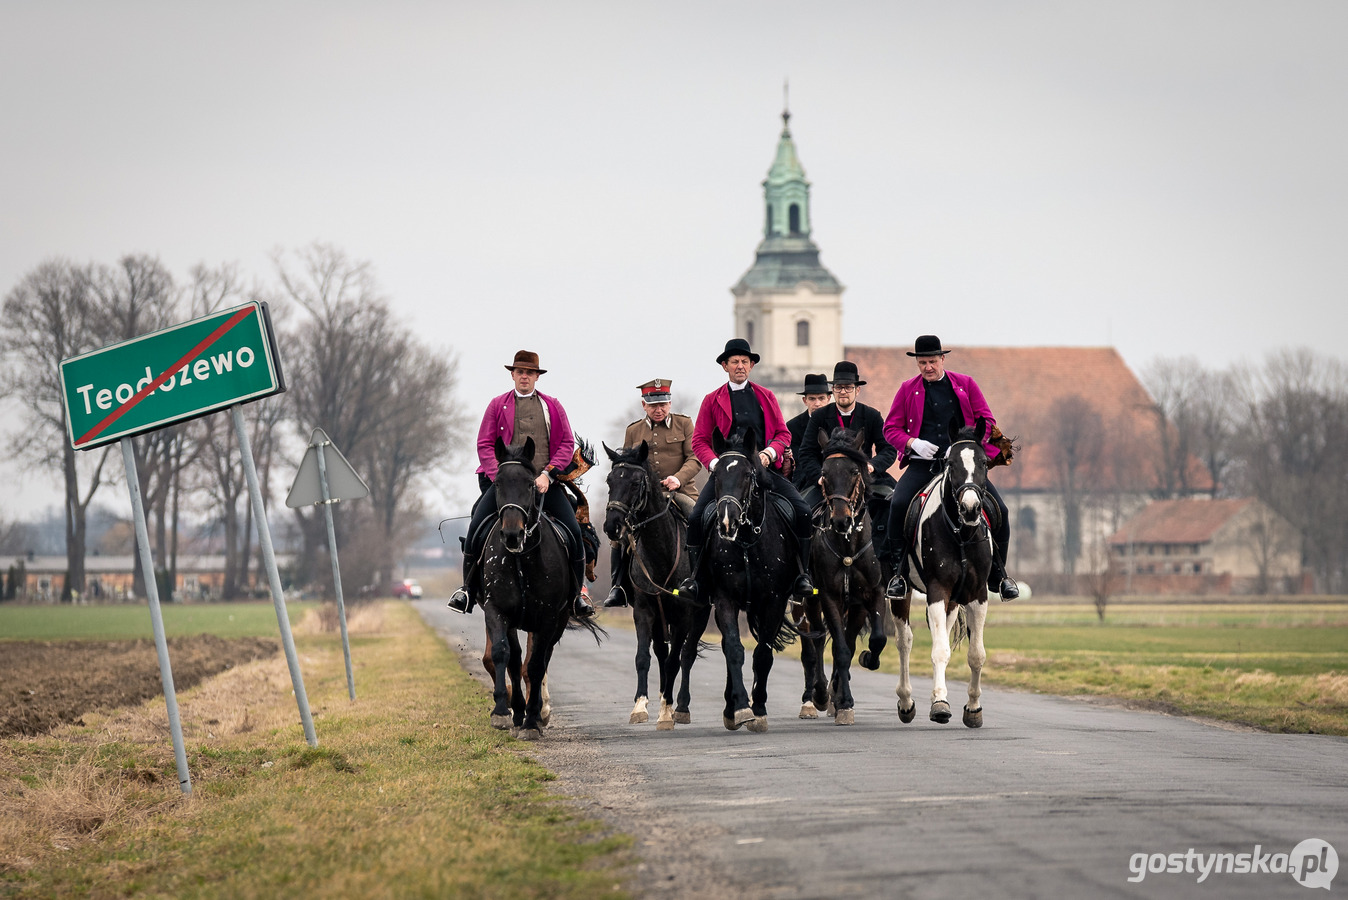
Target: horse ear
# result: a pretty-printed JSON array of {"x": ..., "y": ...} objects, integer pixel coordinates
[
  {"x": 824, "y": 435},
  {"x": 613, "y": 457},
  {"x": 953, "y": 429},
  {"x": 751, "y": 442},
  {"x": 859, "y": 440},
  {"x": 643, "y": 452},
  {"x": 527, "y": 451},
  {"x": 717, "y": 441},
  {"x": 981, "y": 431},
  {"x": 502, "y": 451}
]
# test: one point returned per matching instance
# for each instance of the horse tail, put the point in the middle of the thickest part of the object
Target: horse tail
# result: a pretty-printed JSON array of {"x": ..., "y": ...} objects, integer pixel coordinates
[
  {"x": 776, "y": 634},
  {"x": 594, "y": 628},
  {"x": 961, "y": 630}
]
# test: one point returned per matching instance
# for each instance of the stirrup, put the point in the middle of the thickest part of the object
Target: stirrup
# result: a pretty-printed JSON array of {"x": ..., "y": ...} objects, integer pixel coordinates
[
  {"x": 616, "y": 598},
  {"x": 897, "y": 588},
  {"x": 1008, "y": 589},
  {"x": 581, "y": 608},
  {"x": 460, "y": 601}
]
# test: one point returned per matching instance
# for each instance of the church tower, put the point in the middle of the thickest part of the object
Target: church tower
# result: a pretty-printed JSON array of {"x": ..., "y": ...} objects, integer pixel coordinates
[{"x": 788, "y": 306}]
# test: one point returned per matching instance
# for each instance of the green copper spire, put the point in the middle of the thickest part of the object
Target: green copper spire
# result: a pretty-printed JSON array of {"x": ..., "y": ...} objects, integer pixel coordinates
[{"x": 786, "y": 191}]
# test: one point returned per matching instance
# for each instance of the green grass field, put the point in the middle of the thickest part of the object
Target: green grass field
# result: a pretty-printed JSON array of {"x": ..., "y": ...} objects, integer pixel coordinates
[{"x": 132, "y": 620}]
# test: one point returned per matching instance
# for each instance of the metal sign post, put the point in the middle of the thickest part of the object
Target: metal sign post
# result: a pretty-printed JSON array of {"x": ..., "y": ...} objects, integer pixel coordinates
[
  {"x": 156, "y": 619},
  {"x": 278, "y": 600},
  {"x": 351, "y": 487}
]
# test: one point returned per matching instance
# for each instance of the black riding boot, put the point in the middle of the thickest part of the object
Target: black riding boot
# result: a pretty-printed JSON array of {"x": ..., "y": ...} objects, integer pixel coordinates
[
  {"x": 461, "y": 601},
  {"x": 804, "y": 587},
  {"x": 898, "y": 585},
  {"x": 617, "y": 596},
  {"x": 688, "y": 589},
  {"x": 581, "y": 608},
  {"x": 1001, "y": 583}
]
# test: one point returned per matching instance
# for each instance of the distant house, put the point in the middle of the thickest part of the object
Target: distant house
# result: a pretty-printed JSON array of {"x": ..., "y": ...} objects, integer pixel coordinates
[
  {"x": 1085, "y": 428},
  {"x": 1207, "y": 547},
  {"x": 109, "y": 578}
]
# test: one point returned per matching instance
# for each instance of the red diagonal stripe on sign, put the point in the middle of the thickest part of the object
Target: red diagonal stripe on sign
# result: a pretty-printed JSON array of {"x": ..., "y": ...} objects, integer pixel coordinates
[{"x": 168, "y": 373}]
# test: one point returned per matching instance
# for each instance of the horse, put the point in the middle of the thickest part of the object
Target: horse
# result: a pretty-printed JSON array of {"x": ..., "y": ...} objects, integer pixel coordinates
[
  {"x": 848, "y": 576},
  {"x": 951, "y": 555},
  {"x": 749, "y": 560},
  {"x": 527, "y": 585},
  {"x": 644, "y": 518}
]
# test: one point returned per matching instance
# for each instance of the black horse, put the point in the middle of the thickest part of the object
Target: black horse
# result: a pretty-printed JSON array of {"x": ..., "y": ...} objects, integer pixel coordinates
[
  {"x": 951, "y": 555},
  {"x": 849, "y": 577},
  {"x": 527, "y": 585},
  {"x": 747, "y": 567},
  {"x": 645, "y": 519}
]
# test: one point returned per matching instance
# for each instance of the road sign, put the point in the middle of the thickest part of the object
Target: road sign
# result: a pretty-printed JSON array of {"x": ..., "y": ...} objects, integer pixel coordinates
[
  {"x": 343, "y": 482},
  {"x": 170, "y": 376}
]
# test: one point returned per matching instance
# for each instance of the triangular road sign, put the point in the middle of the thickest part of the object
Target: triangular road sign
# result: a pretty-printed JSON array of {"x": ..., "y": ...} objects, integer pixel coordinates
[{"x": 343, "y": 482}]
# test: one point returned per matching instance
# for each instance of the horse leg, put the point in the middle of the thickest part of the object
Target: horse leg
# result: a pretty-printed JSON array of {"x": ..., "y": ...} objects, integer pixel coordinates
[
  {"x": 682, "y": 714},
  {"x": 904, "y": 639},
  {"x": 978, "y": 655},
  {"x": 539, "y": 656},
  {"x": 840, "y": 685},
  {"x": 667, "y": 667},
  {"x": 815, "y": 697},
  {"x": 498, "y": 655},
  {"x": 515, "y": 663},
  {"x": 737, "y": 710},
  {"x": 875, "y": 614},
  {"x": 938, "y": 622},
  {"x": 641, "y": 618},
  {"x": 762, "y": 666}
]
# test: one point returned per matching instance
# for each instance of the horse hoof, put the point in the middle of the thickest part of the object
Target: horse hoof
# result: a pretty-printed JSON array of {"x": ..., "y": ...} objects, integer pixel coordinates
[
  {"x": 502, "y": 722},
  {"x": 973, "y": 718},
  {"x": 907, "y": 715},
  {"x": 529, "y": 734},
  {"x": 664, "y": 725},
  {"x": 940, "y": 712},
  {"x": 743, "y": 716},
  {"x": 638, "y": 717},
  {"x": 758, "y": 724},
  {"x": 869, "y": 660},
  {"x": 845, "y": 717},
  {"x": 683, "y": 718},
  {"x": 830, "y": 710},
  {"x": 730, "y": 724},
  {"x": 514, "y": 731},
  {"x": 807, "y": 711},
  {"x": 544, "y": 719}
]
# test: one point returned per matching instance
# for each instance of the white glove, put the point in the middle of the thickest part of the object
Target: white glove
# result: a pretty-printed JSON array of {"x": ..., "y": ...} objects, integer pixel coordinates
[
  {"x": 712, "y": 466},
  {"x": 923, "y": 449}
]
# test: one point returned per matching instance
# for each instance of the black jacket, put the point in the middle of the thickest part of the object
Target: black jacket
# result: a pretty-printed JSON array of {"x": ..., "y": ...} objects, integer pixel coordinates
[
  {"x": 810, "y": 457},
  {"x": 797, "y": 428}
]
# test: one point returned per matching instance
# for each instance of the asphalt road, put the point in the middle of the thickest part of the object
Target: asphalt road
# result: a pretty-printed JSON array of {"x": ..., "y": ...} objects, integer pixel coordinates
[{"x": 1051, "y": 798}]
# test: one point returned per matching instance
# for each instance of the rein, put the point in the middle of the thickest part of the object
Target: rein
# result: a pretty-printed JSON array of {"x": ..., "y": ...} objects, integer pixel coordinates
[
  {"x": 745, "y": 516},
  {"x": 533, "y": 515}
]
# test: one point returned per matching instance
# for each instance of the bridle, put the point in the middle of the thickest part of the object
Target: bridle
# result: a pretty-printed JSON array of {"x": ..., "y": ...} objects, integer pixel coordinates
[
  {"x": 744, "y": 509},
  {"x": 954, "y": 492},
  {"x": 631, "y": 525},
  {"x": 532, "y": 517},
  {"x": 853, "y": 498}
]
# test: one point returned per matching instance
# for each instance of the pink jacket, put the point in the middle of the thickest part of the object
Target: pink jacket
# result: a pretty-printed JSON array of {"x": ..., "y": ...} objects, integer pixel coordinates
[
  {"x": 499, "y": 421},
  {"x": 904, "y": 421},
  {"x": 715, "y": 413}
]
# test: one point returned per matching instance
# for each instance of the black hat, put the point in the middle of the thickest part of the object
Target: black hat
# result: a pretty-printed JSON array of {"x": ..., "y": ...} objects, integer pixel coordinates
[
  {"x": 846, "y": 373},
  {"x": 737, "y": 347},
  {"x": 927, "y": 345},
  {"x": 815, "y": 384}
]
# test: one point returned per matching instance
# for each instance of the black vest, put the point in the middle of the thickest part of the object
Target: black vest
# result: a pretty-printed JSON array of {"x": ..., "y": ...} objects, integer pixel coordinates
[
  {"x": 940, "y": 406},
  {"x": 748, "y": 412}
]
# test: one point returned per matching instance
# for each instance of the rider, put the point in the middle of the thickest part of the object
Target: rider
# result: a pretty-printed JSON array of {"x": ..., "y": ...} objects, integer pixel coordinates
[
  {"x": 918, "y": 422},
  {"x": 514, "y": 416},
  {"x": 670, "y": 439},
  {"x": 741, "y": 403},
  {"x": 815, "y": 395},
  {"x": 847, "y": 412}
]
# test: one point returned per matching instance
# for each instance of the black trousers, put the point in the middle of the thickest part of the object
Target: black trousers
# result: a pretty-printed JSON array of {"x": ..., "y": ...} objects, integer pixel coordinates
[
  {"x": 915, "y": 477},
  {"x": 779, "y": 485}
]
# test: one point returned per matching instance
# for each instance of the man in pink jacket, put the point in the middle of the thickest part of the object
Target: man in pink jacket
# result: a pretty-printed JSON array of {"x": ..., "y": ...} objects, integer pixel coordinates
[
  {"x": 514, "y": 416},
  {"x": 741, "y": 403},
  {"x": 918, "y": 426}
]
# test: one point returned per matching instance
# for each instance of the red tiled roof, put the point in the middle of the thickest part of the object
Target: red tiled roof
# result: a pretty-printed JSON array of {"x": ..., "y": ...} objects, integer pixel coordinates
[
  {"x": 1021, "y": 385},
  {"x": 1178, "y": 521}
]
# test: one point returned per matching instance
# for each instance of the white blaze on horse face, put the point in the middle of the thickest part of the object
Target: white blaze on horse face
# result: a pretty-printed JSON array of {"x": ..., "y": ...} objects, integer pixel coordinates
[{"x": 968, "y": 499}]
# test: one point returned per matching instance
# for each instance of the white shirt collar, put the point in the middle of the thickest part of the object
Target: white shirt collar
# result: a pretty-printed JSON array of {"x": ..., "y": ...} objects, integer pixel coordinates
[
  {"x": 524, "y": 396},
  {"x": 738, "y": 387}
]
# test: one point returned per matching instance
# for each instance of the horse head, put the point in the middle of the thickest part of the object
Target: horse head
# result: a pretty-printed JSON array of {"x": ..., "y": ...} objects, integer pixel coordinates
[
  {"x": 630, "y": 483},
  {"x": 967, "y": 469},
  {"x": 844, "y": 478},
  {"x": 739, "y": 472},
  {"x": 516, "y": 495}
]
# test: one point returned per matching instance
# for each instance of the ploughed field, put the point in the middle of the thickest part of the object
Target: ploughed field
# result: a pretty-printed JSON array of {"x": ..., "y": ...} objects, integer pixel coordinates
[{"x": 48, "y": 683}]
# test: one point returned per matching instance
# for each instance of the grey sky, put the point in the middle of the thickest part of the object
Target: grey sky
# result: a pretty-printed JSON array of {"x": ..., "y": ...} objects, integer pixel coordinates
[{"x": 584, "y": 179}]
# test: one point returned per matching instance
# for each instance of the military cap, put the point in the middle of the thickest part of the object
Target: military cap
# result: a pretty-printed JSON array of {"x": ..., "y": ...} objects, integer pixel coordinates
[{"x": 655, "y": 391}]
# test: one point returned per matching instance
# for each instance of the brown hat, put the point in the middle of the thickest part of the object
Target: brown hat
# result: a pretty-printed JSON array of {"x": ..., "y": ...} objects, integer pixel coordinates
[{"x": 526, "y": 359}]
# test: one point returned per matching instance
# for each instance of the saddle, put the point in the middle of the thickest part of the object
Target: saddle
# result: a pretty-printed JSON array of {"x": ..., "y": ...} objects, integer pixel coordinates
[
  {"x": 783, "y": 506},
  {"x": 991, "y": 514}
]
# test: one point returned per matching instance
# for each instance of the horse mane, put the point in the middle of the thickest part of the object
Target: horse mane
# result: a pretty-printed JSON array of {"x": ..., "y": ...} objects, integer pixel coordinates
[{"x": 840, "y": 444}]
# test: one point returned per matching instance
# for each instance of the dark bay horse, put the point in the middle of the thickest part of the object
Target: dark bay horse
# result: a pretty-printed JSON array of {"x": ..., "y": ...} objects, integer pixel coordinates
[
  {"x": 748, "y": 566},
  {"x": 848, "y": 576},
  {"x": 644, "y": 518},
  {"x": 951, "y": 555},
  {"x": 527, "y": 585}
]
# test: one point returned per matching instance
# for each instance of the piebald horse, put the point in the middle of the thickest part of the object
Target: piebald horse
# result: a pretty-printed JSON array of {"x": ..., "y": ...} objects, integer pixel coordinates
[{"x": 950, "y": 555}]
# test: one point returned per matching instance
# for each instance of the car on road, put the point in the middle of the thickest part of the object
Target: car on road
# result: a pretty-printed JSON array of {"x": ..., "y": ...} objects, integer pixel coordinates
[{"x": 408, "y": 587}]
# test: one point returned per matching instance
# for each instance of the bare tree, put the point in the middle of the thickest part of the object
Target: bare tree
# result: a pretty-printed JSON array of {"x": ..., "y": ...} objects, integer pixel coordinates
[
  {"x": 49, "y": 316},
  {"x": 1171, "y": 383},
  {"x": 1214, "y": 412},
  {"x": 1266, "y": 536},
  {"x": 1074, "y": 433}
]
